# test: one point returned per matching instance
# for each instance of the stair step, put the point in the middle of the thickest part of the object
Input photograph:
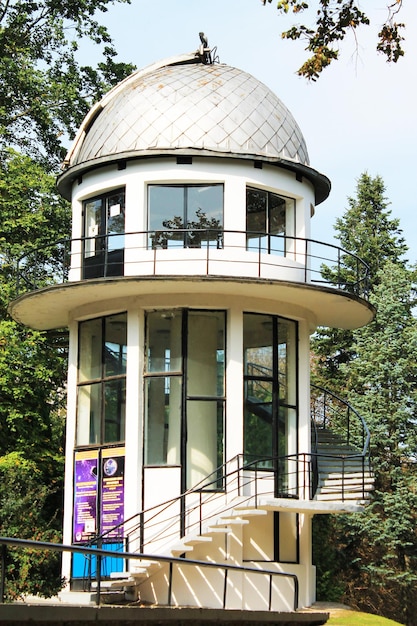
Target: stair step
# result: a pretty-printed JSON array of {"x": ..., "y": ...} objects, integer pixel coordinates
[
  {"x": 212, "y": 530},
  {"x": 192, "y": 541},
  {"x": 231, "y": 521},
  {"x": 245, "y": 512},
  {"x": 180, "y": 549},
  {"x": 116, "y": 584}
]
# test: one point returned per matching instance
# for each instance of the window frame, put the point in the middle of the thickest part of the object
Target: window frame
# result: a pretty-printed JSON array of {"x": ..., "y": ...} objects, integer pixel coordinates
[
  {"x": 187, "y": 237},
  {"x": 272, "y": 241},
  {"x": 100, "y": 383}
]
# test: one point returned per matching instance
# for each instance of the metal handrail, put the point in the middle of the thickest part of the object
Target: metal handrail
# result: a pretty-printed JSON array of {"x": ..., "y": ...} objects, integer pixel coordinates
[
  {"x": 328, "y": 414},
  {"x": 100, "y": 553},
  {"x": 321, "y": 263}
]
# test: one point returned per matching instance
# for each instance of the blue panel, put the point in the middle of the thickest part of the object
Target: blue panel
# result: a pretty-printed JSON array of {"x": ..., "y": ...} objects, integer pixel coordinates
[{"x": 84, "y": 565}]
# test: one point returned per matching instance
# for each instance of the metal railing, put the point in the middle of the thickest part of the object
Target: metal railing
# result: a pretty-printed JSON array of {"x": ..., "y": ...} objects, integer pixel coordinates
[
  {"x": 145, "y": 253},
  {"x": 172, "y": 561},
  {"x": 330, "y": 412}
]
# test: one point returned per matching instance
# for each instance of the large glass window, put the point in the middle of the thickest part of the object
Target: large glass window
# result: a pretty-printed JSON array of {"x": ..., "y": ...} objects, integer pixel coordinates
[
  {"x": 104, "y": 226},
  {"x": 184, "y": 389},
  {"x": 269, "y": 220},
  {"x": 189, "y": 216},
  {"x": 102, "y": 380},
  {"x": 270, "y": 395}
]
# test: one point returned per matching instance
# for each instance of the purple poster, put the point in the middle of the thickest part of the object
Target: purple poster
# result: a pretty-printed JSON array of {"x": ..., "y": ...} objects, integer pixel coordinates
[
  {"x": 85, "y": 495},
  {"x": 112, "y": 492}
]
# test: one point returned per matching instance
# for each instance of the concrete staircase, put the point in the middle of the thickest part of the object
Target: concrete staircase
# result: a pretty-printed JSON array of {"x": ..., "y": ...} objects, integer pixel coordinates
[{"x": 343, "y": 473}]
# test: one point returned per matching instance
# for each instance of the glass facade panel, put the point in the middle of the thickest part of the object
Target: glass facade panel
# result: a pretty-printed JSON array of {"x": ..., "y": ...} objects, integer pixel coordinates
[
  {"x": 163, "y": 420},
  {"x": 115, "y": 346},
  {"x": 89, "y": 350},
  {"x": 270, "y": 218},
  {"x": 258, "y": 438},
  {"x": 114, "y": 410},
  {"x": 102, "y": 354},
  {"x": 103, "y": 243},
  {"x": 184, "y": 413},
  {"x": 204, "y": 442},
  {"x": 270, "y": 392},
  {"x": 205, "y": 368},
  {"x": 163, "y": 341},
  {"x": 89, "y": 414},
  {"x": 185, "y": 215}
]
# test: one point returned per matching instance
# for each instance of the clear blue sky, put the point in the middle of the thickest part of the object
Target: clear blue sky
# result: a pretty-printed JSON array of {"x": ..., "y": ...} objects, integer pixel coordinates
[{"x": 361, "y": 115}]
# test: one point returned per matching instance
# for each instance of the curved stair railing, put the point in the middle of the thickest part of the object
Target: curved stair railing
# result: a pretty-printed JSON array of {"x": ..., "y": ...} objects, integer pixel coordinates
[
  {"x": 347, "y": 430},
  {"x": 239, "y": 488}
]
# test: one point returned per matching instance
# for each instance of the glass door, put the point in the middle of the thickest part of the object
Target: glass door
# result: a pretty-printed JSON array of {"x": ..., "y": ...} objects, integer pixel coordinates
[{"x": 104, "y": 225}]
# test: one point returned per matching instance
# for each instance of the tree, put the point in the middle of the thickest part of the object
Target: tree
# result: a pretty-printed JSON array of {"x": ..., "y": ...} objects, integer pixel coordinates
[
  {"x": 44, "y": 94},
  {"x": 368, "y": 230},
  {"x": 370, "y": 559},
  {"x": 333, "y": 19},
  {"x": 32, "y": 380},
  {"x": 44, "y": 91},
  {"x": 375, "y": 555}
]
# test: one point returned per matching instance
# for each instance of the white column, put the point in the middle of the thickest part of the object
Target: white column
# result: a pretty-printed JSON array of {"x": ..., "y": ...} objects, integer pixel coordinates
[
  {"x": 69, "y": 447},
  {"x": 134, "y": 412}
]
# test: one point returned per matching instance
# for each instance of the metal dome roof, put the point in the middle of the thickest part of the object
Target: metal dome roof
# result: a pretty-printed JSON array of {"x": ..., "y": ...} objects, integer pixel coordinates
[{"x": 187, "y": 107}]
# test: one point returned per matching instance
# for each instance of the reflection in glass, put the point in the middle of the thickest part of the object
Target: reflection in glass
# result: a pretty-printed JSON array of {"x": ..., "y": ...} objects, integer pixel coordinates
[
  {"x": 185, "y": 216},
  {"x": 163, "y": 420},
  {"x": 114, "y": 410},
  {"x": 270, "y": 392},
  {"x": 269, "y": 218},
  {"x": 163, "y": 341},
  {"x": 89, "y": 414},
  {"x": 115, "y": 346},
  {"x": 89, "y": 350},
  {"x": 205, "y": 353}
]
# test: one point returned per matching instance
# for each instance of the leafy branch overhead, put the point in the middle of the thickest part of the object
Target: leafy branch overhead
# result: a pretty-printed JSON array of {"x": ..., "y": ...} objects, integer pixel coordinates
[
  {"x": 333, "y": 20},
  {"x": 45, "y": 91}
]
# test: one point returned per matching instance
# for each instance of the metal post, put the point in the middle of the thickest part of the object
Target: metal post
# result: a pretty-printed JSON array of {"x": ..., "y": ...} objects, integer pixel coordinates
[
  {"x": 226, "y": 571},
  {"x": 171, "y": 565},
  {"x": 98, "y": 578},
  {"x": 3, "y": 574},
  {"x": 270, "y": 592}
]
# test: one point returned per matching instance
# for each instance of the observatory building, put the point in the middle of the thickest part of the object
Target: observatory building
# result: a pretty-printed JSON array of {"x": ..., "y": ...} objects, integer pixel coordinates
[{"x": 190, "y": 289}]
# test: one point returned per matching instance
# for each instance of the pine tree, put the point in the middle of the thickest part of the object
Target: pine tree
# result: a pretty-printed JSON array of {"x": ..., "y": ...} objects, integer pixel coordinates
[
  {"x": 377, "y": 552},
  {"x": 368, "y": 231},
  {"x": 373, "y": 556}
]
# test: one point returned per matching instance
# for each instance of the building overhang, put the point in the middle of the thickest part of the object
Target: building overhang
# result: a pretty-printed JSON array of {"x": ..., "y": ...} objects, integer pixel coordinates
[
  {"x": 74, "y": 173},
  {"x": 54, "y": 306}
]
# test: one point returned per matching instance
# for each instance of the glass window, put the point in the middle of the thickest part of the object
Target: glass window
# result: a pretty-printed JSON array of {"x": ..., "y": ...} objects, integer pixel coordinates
[
  {"x": 185, "y": 216},
  {"x": 270, "y": 392},
  {"x": 102, "y": 380},
  {"x": 104, "y": 226},
  {"x": 184, "y": 419},
  {"x": 269, "y": 219}
]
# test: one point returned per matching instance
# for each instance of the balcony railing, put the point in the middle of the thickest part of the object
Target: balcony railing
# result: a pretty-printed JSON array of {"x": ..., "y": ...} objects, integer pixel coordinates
[{"x": 201, "y": 252}]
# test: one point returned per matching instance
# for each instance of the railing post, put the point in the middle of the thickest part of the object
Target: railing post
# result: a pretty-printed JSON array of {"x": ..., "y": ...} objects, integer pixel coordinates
[
  {"x": 171, "y": 565},
  {"x": 226, "y": 571},
  {"x": 270, "y": 592},
  {"x": 98, "y": 579},
  {"x": 3, "y": 573}
]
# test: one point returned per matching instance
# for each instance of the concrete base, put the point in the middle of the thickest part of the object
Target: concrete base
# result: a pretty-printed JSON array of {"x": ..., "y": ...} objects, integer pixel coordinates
[{"x": 19, "y": 614}]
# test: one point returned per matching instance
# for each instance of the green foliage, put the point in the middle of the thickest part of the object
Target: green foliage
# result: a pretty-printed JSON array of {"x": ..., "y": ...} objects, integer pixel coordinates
[
  {"x": 368, "y": 230},
  {"x": 32, "y": 379},
  {"x": 373, "y": 556},
  {"x": 333, "y": 20},
  {"x": 44, "y": 91},
  {"x": 30, "y": 502}
]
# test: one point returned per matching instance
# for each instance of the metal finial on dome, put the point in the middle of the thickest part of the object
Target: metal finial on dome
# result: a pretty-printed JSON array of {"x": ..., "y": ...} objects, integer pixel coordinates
[{"x": 204, "y": 50}]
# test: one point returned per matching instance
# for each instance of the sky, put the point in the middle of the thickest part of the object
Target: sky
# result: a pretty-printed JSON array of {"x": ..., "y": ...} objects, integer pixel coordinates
[{"x": 360, "y": 116}]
